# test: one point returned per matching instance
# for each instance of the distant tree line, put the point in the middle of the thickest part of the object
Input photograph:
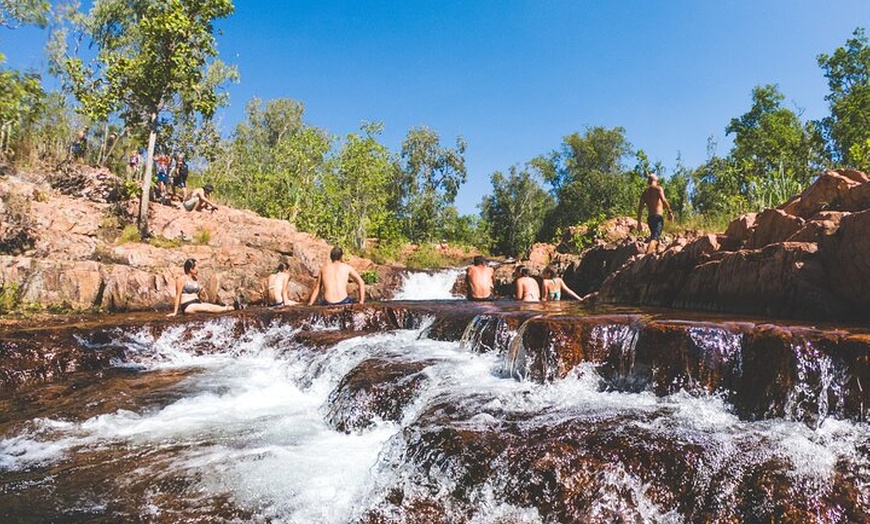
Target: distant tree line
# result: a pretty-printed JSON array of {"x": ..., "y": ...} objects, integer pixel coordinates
[{"x": 111, "y": 62}]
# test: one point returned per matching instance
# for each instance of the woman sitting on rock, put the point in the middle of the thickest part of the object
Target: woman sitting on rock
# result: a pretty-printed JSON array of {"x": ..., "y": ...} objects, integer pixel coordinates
[
  {"x": 553, "y": 285},
  {"x": 187, "y": 290}
]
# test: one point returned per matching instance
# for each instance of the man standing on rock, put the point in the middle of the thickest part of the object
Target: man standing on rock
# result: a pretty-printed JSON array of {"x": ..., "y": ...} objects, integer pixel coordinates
[
  {"x": 333, "y": 281},
  {"x": 478, "y": 280},
  {"x": 654, "y": 199}
]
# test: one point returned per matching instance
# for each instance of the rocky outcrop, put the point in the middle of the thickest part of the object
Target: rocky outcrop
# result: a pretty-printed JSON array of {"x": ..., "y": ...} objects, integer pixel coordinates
[
  {"x": 64, "y": 248},
  {"x": 806, "y": 259}
]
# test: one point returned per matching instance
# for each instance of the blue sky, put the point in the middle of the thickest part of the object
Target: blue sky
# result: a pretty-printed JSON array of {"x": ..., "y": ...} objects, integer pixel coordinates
[{"x": 514, "y": 77}]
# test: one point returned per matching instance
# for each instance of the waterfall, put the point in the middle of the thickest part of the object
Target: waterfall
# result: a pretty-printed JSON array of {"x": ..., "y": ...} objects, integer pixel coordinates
[
  {"x": 225, "y": 422},
  {"x": 420, "y": 285}
]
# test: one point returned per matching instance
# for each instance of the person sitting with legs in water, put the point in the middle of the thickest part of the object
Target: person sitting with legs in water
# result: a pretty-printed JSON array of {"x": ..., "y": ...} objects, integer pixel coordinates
[
  {"x": 187, "y": 291},
  {"x": 527, "y": 287},
  {"x": 277, "y": 287},
  {"x": 554, "y": 286},
  {"x": 332, "y": 281}
]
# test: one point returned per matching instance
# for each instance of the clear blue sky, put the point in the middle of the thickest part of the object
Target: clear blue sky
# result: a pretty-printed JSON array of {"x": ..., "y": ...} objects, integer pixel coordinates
[{"x": 514, "y": 77}]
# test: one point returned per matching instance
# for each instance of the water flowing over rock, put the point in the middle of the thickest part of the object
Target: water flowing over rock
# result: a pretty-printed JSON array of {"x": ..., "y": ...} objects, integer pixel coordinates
[{"x": 435, "y": 412}]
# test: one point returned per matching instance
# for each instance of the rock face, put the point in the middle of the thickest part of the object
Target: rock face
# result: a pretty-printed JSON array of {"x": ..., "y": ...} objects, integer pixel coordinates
[
  {"x": 60, "y": 247},
  {"x": 807, "y": 259}
]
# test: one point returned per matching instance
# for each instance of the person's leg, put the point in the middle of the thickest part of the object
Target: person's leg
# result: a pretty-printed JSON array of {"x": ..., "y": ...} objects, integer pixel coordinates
[{"x": 205, "y": 307}]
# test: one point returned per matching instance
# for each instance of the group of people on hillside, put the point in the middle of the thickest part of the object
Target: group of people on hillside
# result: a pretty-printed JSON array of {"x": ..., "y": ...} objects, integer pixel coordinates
[
  {"x": 332, "y": 280},
  {"x": 331, "y": 285}
]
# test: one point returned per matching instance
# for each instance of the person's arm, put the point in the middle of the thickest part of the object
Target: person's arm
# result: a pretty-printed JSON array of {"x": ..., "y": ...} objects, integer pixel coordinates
[
  {"x": 315, "y": 291},
  {"x": 207, "y": 203},
  {"x": 567, "y": 289},
  {"x": 179, "y": 285},
  {"x": 361, "y": 283}
]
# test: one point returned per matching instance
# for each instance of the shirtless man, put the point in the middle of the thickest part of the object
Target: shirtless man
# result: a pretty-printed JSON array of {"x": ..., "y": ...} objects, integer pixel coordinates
[
  {"x": 654, "y": 199},
  {"x": 333, "y": 281},
  {"x": 277, "y": 287},
  {"x": 478, "y": 280}
]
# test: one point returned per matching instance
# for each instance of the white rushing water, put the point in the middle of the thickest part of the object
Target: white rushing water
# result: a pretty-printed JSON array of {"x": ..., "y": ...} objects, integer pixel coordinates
[
  {"x": 429, "y": 286},
  {"x": 251, "y": 424}
]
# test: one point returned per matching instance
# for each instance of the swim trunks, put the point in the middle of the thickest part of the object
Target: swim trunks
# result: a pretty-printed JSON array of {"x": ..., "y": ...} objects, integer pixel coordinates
[
  {"x": 485, "y": 299},
  {"x": 347, "y": 300},
  {"x": 656, "y": 225},
  {"x": 277, "y": 304}
]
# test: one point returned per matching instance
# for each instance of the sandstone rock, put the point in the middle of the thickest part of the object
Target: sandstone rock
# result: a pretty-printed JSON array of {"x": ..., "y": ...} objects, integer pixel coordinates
[
  {"x": 825, "y": 193},
  {"x": 845, "y": 257},
  {"x": 741, "y": 228},
  {"x": 773, "y": 225},
  {"x": 853, "y": 174},
  {"x": 819, "y": 225},
  {"x": 597, "y": 263},
  {"x": 540, "y": 256}
]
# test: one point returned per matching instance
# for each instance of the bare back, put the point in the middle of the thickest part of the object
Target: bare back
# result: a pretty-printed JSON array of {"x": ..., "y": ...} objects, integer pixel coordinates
[
  {"x": 654, "y": 198},
  {"x": 333, "y": 282},
  {"x": 479, "y": 280},
  {"x": 277, "y": 283}
]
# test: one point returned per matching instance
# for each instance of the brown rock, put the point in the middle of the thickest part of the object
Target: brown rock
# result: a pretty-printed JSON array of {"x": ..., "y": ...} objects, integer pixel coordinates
[
  {"x": 741, "y": 228},
  {"x": 773, "y": 225},
  {"x": 853, "y": 174},
  {"x": 820, "y": 225},
  {"x": 845, "y": 257},
  {"x": 825, "y": 193}
]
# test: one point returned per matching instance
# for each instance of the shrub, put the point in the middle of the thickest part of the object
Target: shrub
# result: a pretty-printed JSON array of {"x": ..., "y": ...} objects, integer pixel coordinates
[
  {"x": 129, "y": 234},
  {"x": 369, "y": 277},
  {"x": 202, "y": 236}
]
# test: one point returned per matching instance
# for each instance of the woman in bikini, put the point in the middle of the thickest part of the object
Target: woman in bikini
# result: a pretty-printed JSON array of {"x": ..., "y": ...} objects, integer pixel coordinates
[
  {"x": 527, "y": 287},
  {"x": 277, "y": 286},
  {"x": 554, "y": 286},
  {"x": 187, "y": 290}
]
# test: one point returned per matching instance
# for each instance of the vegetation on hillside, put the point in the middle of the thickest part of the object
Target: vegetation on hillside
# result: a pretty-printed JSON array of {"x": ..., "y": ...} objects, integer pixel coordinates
[{"x": 352, "y": 189}]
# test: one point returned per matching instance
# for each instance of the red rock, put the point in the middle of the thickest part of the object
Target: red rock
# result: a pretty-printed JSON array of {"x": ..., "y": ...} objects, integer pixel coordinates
[
  {"x": 773, "y": 225},
  {"x": 825, "y": 193},
  {"x": 740, "y": 229},
  {"x": 845, "y": 257},
  {"x": 853, "y": 174}
]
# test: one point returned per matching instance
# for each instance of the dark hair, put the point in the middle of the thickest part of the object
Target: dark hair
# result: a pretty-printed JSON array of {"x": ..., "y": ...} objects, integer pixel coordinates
[
  {"x": 281, "y": 267},
  {"x": 549, "y": 271},
  {"x": 336, "y": 254},
  {"x": 208, "y": 187},
  {"x": 523, "y": 270},
  {"x": 189, "y": 264},
  {"x": 479, "y": 260}
]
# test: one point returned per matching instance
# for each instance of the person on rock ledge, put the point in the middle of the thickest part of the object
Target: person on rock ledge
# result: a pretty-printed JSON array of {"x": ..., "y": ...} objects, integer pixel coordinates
[
  {"x": 187, "y": 290},
  {"x": 277, "y": 285},
  {"x": 478, "y": 280},
  {"x": 199, "y": 201},
  {"x": 654, "y": 199},
  {"x": 332, "y": 280}
]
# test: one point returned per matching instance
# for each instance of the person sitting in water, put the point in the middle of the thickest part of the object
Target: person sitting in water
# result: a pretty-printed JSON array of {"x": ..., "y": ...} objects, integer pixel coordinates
[
  {"x": 527, "y": 287},
  {"x": 332, "y": 281},
  {"x": 554, "y": 286},
  {"x": 277, "y": 286},
  {"x": 199, "y": 201},
  {"x": 478, "y": 280},
  {"x": 187, "y": 290}
]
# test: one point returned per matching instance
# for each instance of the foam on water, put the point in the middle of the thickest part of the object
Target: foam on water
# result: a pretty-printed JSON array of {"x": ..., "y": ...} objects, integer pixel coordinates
[
  {"x": 251, "y": 423},
  {"x": 428, "y": 286}
]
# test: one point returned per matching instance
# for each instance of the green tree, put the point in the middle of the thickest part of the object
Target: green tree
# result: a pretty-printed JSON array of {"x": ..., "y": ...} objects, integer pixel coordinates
[
  {"x": 515, "y": 211},
  {"x": 848, "y": 74},
  {"x": 773, "y": 151},
  {"x": 153, "y": 58},
  {"x": 589, "y": 178},
  {"x": 431, "y": 176},
  {"x": 14, "y": 13},
  {"x": 355, "y": 192}
]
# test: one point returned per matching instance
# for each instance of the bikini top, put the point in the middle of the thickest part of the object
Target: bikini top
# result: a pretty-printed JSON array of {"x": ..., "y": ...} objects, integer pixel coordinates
[
  {"x": 555, "y": 294},
  {"x": 191, "y": 287}
]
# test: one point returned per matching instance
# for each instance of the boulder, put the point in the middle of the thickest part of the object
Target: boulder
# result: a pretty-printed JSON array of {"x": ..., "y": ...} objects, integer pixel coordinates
[
  {"x": 773, "y": 225},
  {"x": 827, "y": 192},
  {"x": 741, "y": 228},
  {"x": 845, "y": 257}
]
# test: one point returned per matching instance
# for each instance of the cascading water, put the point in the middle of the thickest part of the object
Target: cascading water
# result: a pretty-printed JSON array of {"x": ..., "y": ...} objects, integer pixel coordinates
[
  {"x": 419, "y": 285},
  {"x": 208, "y": 425}
]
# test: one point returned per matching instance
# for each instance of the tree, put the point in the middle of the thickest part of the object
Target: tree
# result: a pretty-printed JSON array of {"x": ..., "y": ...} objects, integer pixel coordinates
[
  {"x": 355, "y": 191},
  {"x": 154, "y": 58},
  {"x": 774, "y": 152},
  {"x": 430, "y": 179},
  {"x": 848, "y": 74},
  {"x": 14, "y": 13},
  {"x": 588, "y": 178},
  {"x": 515, "y": 211}
]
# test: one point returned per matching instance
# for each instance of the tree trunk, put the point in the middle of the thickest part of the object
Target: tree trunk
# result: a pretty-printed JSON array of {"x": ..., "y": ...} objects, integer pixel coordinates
[{"x": 146, "y": 180}]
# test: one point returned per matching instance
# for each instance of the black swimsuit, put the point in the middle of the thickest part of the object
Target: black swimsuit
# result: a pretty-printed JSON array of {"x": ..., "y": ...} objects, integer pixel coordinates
[{"x": 184, "y": 305}]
